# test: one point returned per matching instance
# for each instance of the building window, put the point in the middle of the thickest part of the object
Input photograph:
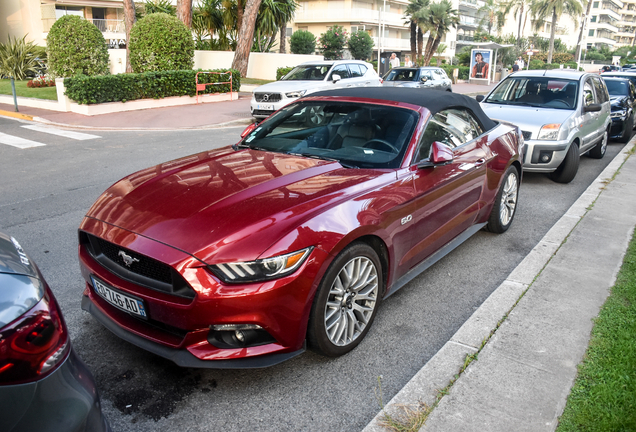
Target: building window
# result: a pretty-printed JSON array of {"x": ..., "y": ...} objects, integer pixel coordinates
[
  {"x": 595, "y": 5},
  {"x": 354, "y": 29},
  {"x": 591, "y": 33},
  {"x": 60, "y": 11},
  {"x": 593, "y": 19},
  {"x": 288, "y": 31}
]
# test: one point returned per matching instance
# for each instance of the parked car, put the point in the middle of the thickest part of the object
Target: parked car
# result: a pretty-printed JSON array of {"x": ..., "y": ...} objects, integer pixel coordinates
[
  {"x": 44, "y": 386},
  {"x": 308, "y": 78},
  {"x": 610, "y": 68},
  {"x": 627, "y": 74},
  {"x": 418, "y": 77},
  {"x": 563, "y": 114},
  {"x": 239, "y": 257},
  {"x": 623, "y": 100}
]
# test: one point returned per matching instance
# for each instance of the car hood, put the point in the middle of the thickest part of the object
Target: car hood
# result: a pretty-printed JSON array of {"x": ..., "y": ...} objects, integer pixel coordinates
[
  {"x": 618, "y": 101},
  {"x": 226, "y": 204},
  {"x": 289, "y": 86},
  {"x": 527, "y": 118},
  {"x": 13, "y": 259}
]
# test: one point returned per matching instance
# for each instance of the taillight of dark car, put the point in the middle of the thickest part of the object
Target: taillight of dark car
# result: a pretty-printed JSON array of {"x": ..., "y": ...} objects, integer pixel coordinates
[{"x": 33, "y": 345}]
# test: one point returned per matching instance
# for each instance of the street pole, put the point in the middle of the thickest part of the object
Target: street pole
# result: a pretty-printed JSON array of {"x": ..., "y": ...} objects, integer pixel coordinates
[{"x": 15, "y": 97}]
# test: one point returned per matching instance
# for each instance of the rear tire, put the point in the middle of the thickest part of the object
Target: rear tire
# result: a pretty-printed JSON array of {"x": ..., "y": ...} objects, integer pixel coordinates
[
  {"x": 566, "y": 172},
  {"x": 601, "y": 147},
  {"x": 505, "y": 206},
  {"x": 346, "y": 302}
]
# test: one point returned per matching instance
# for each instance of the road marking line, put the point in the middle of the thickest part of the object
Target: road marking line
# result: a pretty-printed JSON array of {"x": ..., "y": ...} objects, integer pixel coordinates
[
  {"x": 18, "y": 142},
  {"x": 63, "y": 133}
]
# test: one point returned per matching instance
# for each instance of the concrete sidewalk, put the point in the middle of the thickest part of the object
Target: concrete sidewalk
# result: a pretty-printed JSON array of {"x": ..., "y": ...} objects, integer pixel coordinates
[
  {"x": 201, "y": 116},
  {"x": 529, "y": 336}
]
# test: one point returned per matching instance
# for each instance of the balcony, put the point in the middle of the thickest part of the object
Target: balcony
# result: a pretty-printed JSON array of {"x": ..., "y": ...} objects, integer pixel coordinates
[
  {"x": 468, "y": 20},
  {"x": 348, "y": 15},
  {"x": 392, "y": 44},
  {"x": 604, "y": 26},
  {"x": 109, "y": 26},
  {"x": 472, "y": 4}
]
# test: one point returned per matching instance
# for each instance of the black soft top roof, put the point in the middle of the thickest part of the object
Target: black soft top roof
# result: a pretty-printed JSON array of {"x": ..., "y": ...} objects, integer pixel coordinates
[{"x": 433, "y": 100}]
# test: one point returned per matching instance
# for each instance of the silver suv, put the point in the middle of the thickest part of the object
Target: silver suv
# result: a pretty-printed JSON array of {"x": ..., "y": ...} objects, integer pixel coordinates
[{"x": 562, "y": 114}]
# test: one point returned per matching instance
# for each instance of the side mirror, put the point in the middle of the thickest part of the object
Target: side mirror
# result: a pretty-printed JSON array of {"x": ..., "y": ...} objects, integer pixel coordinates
[
  {"x": 335, "y": 78},
  {"x": 248, "y": 129},
  {"x": 424, "y": 79},
  {"x": 592, "y": 108},
  {"x": 441, "y": 154},
  {"x": 480, "y": 98}
]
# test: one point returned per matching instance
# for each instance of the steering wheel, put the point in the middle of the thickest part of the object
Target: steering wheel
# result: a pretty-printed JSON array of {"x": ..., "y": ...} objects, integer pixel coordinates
[{"x": 383, "y": 142}]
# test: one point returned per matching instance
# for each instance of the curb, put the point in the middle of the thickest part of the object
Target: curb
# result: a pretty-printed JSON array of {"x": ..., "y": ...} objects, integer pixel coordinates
[
  {"x": 445, "y": 366},
  {"x": 231, "y": 123},
  {"x": 16, "y": 115}
]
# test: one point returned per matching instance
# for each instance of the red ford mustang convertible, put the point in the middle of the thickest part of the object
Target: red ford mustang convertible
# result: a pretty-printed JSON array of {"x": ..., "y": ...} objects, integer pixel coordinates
[{"x": 243, "y": 256}]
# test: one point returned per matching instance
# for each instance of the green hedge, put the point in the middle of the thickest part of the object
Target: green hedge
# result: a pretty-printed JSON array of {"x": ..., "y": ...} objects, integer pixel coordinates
[
  {"x": 282, "y": 71},
  {"x": 148, "y": 85},
  {"x": 463, "y": 71}
]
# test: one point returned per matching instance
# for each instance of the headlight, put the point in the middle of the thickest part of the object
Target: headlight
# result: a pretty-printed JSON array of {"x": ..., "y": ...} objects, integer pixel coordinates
[
  {"x": 262, "y": 269},
  {"x": 549, "y": 132},
  {"x": 619, "y": 114},
  {"x": 296, "y": 94}
]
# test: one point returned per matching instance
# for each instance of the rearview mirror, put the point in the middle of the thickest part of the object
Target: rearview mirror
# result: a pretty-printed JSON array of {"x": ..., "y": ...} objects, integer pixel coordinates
[
  {"x": 441, "y": 154},
  {"x": 592, "y": 108},
  {"x": 335, "y": 78}
]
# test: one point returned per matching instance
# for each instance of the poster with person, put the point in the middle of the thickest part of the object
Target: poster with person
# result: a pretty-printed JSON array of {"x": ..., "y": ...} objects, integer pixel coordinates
[{"x": 480, "y": 64}]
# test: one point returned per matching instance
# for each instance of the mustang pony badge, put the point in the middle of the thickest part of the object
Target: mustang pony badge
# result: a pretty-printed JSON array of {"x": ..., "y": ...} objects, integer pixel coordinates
[{"x": 128, "y": 260}]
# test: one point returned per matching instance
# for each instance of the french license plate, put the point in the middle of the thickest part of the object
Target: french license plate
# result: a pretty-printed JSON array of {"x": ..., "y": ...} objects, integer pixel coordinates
[
  {"x": 119, "y": 300},
  {"x": 265, "y": 107}
]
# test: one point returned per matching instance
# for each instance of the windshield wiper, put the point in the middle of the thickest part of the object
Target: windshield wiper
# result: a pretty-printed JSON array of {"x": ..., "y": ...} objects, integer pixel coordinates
[{"x": 314, "y": 156}]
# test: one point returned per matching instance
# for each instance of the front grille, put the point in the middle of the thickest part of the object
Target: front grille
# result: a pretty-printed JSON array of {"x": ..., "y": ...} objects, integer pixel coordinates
[
  {"x": 261, "y": 112},
  {"x": 142, "y": 270},
  {"x": 526, "y": 135},
  {"x": 267, "y": 97},
  {"x": 141, "y": 265}
]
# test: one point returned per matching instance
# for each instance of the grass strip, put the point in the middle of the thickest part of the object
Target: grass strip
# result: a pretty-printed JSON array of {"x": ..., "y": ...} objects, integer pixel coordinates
[
  {"x": 604, "y": 394},
  {"x": 22, "y": 90}
]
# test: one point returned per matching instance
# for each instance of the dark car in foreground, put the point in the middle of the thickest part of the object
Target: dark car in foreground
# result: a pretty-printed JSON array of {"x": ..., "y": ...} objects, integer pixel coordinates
[
  {"x": 623, "y": 99},
  {"x": 44, "y": 386},
  {"x": 418, "y": 77},
  {"x": 240, "y": 257}
]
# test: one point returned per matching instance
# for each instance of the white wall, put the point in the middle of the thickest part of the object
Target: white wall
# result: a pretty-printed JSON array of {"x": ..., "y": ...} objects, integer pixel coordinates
[{"x": 117, "y": 63}]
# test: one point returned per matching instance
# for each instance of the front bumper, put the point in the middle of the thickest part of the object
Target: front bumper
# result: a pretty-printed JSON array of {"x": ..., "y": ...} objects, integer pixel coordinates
[
  {"x": 544, "y": 156},
  {"x": 618, "y": 126}
]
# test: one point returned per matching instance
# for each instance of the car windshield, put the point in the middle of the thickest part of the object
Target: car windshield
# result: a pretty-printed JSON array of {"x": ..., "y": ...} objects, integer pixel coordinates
[
  {"x": 630, "y": 76},
  {"x": 307, "y": 73},
  {"x": 401, "y": 75},
  {"x": 543, "y": 92},
  {"x": 356, "y": 135},
  {"x": 617, "y": 87}
]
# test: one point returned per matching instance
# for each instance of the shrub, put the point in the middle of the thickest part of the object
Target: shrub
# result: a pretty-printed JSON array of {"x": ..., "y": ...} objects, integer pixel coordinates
[
  {"x": 463, "y": 71},
  {"x": 332, "y": 42},
  {"x": 537, "y": 64},
  {"x": 361, "y": 45},
  {"x": 282, "y": 71},
  {"x": 19, "y": 58},
  {"x": 160, "y": 42},
  {"x": 76, "y": 46},
  {"x": 302, "y": 42},
  {"x": 156, "y": 85}
]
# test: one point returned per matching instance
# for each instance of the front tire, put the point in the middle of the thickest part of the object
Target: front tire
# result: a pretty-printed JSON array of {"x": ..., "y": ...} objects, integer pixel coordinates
[
  {"x": 346, "y": 301},
  {"x": 505, "y": 206},
  {"x": 566, "y": 172}
]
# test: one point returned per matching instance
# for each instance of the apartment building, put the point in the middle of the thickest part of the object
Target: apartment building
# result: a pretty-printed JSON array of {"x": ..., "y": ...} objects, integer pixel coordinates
[
  {"x": 35, "y": 17},
  {"x": 603, "y": 26},
  {"x": 627, "y": 24}
]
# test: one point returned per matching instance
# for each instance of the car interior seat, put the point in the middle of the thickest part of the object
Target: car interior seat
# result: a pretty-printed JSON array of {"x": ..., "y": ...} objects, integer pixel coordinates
[{"x": 357, "y": 129}]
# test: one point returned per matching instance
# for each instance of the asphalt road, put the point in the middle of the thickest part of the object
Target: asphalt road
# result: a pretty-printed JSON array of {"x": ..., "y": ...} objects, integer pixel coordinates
[{"x": 45, "y": 191}]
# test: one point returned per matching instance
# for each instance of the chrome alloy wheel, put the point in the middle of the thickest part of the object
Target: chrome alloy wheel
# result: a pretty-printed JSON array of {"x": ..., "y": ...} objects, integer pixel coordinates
[
  {"x": 316, "y": 115},
  {"x": 352, "y": 300},
  {"x": 508, "y": 200},
  {"x": 604, "y": 142}
]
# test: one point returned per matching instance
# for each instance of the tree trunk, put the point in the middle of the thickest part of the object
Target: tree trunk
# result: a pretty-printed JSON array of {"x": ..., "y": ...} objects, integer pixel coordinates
[
  {"x": 283, "y": 39},
  {"x": 413, "y": 41},
  {"x": 239, "y": 15},
  {"x": 184, "y": 12},
  {"x": 245, "y": 37},
  {"x": 583, "y": 21},
  {"x": 552, "y": 33},
  {"x": 129, "y": 21},
  {"x": 519, "y": 30},
  {"x": 429, "y": 45},
  {"x": 420, "y": 42}
]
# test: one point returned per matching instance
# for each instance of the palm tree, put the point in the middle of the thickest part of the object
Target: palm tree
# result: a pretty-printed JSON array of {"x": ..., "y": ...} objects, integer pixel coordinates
[
  {"x": 578, "y": 44},
  {"x": 412, "y": 10},
  {"x": 129, "y": 21},
  {"x": 439, "y": 19},
  {"x": 285, "y": 13},
  {"x": 541, "y": 9},
  {"x": 208, "y": 18},
  {"x": 518, "y": 7},
  {"x": 493, "y": 14}
]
